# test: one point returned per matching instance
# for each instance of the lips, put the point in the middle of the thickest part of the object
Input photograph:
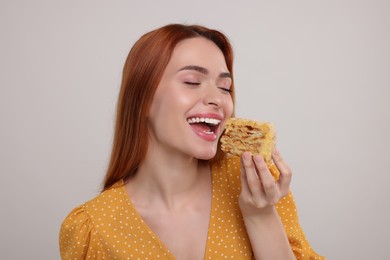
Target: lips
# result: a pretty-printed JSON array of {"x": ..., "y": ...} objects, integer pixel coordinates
[{"x": 205, "y": 126}]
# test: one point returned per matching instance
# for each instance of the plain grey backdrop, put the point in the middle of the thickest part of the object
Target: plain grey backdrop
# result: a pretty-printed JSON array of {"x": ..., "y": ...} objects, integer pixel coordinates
[{"x": 319, "y": 70}]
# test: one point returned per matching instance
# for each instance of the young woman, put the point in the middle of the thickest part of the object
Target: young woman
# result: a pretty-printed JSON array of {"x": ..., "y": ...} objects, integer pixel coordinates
[{"x": 170, "y": 192}]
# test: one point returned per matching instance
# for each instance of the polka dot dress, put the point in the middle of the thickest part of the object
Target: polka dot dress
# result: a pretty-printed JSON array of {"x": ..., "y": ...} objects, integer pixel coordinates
[{"x": 109, "y": 227}]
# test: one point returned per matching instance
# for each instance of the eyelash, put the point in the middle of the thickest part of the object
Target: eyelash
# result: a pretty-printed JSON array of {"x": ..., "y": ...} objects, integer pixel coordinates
[
  {"x": 227, "y": 90},
  {"x": 192, "y": 83}
]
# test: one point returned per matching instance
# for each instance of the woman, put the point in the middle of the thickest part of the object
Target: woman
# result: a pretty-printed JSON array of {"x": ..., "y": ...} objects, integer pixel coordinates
[{"x": 169, "y": 191}]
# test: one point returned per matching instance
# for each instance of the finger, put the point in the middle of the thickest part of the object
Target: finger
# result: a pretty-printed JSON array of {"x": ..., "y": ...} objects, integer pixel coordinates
[
  {"x": 285, "y": 172},
  {"x": 267, "y": 180},
  {"x": 244, "y": 183},
  {"x": 252, "y": 178}
]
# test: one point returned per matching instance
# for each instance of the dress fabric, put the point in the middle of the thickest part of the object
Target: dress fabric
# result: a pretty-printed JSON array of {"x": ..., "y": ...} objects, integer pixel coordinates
[{"x": 109, "y": 227}]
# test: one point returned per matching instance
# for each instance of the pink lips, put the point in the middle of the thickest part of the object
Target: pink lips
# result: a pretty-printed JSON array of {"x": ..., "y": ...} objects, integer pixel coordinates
[
  {"x": 204, "y": 135},
  {"x": 202, "y": 130}
]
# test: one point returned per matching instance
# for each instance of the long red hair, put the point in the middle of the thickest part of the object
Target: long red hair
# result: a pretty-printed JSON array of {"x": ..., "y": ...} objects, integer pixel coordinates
[{"x": 142, "y": 72}]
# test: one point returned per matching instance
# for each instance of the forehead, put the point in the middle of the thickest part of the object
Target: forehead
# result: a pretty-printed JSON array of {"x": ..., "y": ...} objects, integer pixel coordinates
[{"x": 198, "y": 51}]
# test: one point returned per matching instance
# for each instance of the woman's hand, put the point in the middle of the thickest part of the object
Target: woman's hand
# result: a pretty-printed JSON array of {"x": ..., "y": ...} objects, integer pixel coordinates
[{"x": 260, "y": 192}]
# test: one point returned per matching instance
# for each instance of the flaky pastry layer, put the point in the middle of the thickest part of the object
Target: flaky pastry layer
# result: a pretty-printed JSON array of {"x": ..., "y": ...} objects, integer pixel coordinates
[{"x": 245, "y": 135}]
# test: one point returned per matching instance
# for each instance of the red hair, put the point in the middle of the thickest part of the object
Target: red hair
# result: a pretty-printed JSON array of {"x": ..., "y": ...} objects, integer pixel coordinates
[{"x": 142, "y": 73}]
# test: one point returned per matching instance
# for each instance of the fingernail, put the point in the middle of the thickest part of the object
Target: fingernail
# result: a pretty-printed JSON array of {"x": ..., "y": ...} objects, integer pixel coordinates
[
  {"x": 246, "y": 156},
  {"x": 258, "y": 159}
]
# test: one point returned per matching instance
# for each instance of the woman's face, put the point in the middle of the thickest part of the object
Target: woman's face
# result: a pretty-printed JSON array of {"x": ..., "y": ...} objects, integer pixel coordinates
[{"x": 192, "y": 101}]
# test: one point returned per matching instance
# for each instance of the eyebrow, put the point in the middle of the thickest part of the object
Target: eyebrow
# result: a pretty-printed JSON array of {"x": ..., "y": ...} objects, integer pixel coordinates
[{"x": 205, "y": 71}]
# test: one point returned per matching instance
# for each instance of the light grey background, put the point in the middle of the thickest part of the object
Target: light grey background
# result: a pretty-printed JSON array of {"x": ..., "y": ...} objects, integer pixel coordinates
[{"x": 320, "y": 70}]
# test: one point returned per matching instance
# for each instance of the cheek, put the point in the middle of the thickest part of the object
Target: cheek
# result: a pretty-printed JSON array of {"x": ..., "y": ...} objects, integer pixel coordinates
[
  {"x": 182, "y": 99},
  {"x": 229, "y": 107},
  {"x": 171, "y": 104}
]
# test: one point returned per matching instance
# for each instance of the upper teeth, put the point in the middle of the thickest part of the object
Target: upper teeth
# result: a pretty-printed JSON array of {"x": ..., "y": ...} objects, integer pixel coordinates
[{"x": 210, "y": 121}]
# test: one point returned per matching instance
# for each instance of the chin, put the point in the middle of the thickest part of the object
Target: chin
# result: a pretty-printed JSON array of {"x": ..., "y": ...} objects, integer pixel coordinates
[
  {"x": 206, "y": 155},
  {"x": 205, "y": 158}
]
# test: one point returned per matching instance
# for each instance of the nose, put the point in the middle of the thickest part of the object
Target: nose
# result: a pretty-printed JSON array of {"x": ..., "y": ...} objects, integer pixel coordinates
[{"x": 213, "y": 96}]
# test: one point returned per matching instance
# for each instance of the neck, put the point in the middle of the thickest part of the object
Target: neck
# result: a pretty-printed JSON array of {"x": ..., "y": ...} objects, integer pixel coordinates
[{"x": 171, "y": 181}]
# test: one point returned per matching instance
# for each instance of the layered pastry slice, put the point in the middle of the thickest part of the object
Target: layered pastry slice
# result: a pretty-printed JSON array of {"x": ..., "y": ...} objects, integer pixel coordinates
[{"x": 256, "y": 137}]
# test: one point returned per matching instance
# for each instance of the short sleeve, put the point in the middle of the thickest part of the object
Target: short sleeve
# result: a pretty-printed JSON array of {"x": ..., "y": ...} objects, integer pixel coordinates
[
  {"x": 288, "y": 213},
  {"x": 78, "y": 238}
]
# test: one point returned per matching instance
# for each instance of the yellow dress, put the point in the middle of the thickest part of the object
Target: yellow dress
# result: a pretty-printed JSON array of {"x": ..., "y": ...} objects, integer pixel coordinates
[{"x": 109, "y": 227}]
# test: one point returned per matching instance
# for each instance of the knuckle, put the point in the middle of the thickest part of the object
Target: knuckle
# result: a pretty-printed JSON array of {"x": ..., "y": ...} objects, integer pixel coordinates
[
  {"x": 262, "y": 167},
  {"x": 258, "y": 204},
  {"x": 253, "y": 184},
  {"x": 268, "y": 186},
  {"x": 274, "y": 201},
  {"x": 287, "y": 172},
  {"x": 246, "y": 200}
]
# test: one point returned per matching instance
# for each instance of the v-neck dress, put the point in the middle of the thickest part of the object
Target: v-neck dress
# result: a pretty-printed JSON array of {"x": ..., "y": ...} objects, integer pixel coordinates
[{"x": 109, "y": 227}]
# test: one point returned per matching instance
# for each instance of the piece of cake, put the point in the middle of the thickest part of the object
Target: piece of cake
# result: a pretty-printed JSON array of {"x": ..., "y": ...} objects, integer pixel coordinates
[{"x": 256, "y": 137}]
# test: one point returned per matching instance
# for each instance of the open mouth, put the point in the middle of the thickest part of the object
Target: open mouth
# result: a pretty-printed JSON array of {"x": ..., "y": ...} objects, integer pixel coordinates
[{"x": 204, "y": 125}]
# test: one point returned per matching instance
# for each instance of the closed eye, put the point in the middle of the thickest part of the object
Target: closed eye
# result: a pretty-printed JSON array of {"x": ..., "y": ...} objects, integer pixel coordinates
[
  {"x": 227, "y": 90},
  {"x": 192, "y": 83}
]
